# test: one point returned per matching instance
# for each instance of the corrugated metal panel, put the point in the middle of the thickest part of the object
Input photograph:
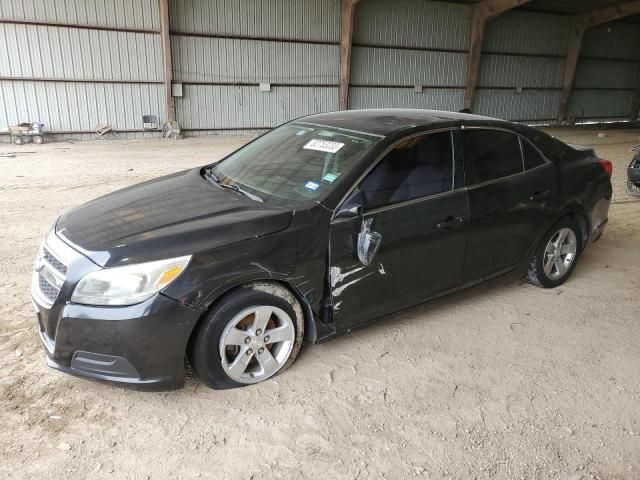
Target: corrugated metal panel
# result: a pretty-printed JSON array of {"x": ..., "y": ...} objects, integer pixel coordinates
[
  {"x": 109, "y": 13},
  {"x": 232, "y": 60},
  {"x": 519, "y": 71},
  {"x": 527, "y": 32},
  {"x": 384, "y": 66},
  {"x": 78, "y": 106},
  {"x": 599, "y": 104},
  {"x": 224, "y": 106},
  {"x": 72, "y": 53},
  {"x": 613, "y": 40},
  {"x": 300, "y": 19},
  {"x": 412, "y": 23},
  {"x": 606, "y": 74},
  {"x": 510, "y": 105},
  {"x": 437, "y": 99}
]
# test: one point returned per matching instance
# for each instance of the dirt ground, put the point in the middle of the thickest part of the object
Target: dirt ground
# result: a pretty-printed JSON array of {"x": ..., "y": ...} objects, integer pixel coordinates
[{"x": 503, "y": 381}]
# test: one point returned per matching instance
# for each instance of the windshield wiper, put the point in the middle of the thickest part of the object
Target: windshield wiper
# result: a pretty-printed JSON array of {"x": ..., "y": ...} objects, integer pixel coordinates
[{"x": 214, "y": 179}]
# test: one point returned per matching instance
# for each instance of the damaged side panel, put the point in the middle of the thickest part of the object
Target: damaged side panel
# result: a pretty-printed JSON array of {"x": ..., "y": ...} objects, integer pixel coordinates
[{"x": 287, "y": 257}]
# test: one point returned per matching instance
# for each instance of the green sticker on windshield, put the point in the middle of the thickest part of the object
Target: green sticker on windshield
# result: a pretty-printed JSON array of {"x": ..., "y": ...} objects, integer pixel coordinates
[{"x": 330, "y": 177}]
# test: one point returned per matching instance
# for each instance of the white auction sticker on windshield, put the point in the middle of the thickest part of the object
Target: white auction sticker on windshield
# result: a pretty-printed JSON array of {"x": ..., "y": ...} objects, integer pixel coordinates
[{"x": 323, "y": 146}]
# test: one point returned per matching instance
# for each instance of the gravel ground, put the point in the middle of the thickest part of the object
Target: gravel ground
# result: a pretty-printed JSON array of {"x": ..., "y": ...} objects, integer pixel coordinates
[{"x": 503, "y": 381}]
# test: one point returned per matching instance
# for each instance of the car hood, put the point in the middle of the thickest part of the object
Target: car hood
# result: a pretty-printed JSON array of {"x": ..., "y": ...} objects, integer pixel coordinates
[{"x": 171, "y": 216}]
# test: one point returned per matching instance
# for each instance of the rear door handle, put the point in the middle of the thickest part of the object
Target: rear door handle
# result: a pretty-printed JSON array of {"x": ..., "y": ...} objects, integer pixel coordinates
[
  {"x": 539, "y": 196},
  {"x": 449, "y": 222}
]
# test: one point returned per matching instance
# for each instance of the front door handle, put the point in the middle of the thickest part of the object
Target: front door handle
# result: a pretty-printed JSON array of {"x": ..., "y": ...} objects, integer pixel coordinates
[
  {"x": 539, "y": 196},
  {"x": 449, "y": 222}
]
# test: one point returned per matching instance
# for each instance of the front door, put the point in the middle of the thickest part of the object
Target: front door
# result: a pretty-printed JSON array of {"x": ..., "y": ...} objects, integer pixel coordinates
[{"x": 410, "y": 201}]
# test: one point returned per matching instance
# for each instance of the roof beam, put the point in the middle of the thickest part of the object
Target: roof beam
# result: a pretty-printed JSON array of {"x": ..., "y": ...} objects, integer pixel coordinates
[
  {"x": 579, "y": 25},
  {"x": 347, "y": 10},
  {"x": 609, "y": 14},
  {"x": 482, "y": 12}
]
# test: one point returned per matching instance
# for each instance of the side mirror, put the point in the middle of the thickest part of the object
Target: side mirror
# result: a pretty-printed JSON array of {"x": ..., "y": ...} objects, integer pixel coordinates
[
  {"x": 352, "y": 206},
  {"x": 368, "y": 242}
]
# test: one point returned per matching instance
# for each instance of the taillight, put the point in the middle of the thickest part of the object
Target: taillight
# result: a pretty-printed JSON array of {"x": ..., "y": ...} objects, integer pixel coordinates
[{"x": 607, "y": 166}]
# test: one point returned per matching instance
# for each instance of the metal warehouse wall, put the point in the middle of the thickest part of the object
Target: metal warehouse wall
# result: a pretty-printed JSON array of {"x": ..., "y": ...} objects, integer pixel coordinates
[
  {"x": 406, "y": 43},
  {"x": 401, "y": 44},
  {"x": 608, "y": 73},
  {"x": 223, "y": 49},
  {"x": 522, "y": 66},
  {"x": 72, "y": 64}
]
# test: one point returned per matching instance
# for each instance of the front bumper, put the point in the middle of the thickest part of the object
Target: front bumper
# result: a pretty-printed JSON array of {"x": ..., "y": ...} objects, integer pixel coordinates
[{"x": 142, "y": 345}]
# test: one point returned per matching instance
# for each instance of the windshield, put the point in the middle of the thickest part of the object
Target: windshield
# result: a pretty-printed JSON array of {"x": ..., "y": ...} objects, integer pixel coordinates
[{"x": 295, "y": 162}]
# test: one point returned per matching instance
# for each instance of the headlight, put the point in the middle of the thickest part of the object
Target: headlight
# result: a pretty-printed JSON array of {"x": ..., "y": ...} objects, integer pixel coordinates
[{"x": 130, "y": 284}]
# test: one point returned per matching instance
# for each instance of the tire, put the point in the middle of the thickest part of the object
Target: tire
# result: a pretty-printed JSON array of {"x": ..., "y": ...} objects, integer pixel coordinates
[
  {"x": 550, "y": 253},
  {"x": 38, "y": 139},
  {"x": 230, "y": 350},
  {"x": 18, "y": 140}
]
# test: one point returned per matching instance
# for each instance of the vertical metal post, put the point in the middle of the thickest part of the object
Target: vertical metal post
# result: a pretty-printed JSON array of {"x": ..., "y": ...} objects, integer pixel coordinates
[
  {"x": 478, "y": 23},
  {"x": 571, "y": 63},
  {"x": 347, "y": 9},
  {"x": 635, "y": 104},
  {"x": 165, "y": 39}
]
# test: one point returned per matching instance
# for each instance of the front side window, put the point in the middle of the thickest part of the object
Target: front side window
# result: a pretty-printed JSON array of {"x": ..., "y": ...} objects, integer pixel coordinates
[
  {"x": 417, "y": 167},
  {"x": 295, "y": 163},
  {"x": 490, "y": 155}
]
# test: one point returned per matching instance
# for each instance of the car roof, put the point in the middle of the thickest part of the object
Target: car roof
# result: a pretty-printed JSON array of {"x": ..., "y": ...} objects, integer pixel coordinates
[{"x": 385, "y": 121}]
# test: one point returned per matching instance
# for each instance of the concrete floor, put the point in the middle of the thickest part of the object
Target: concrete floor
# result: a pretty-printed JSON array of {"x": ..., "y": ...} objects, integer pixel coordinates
[{"x": 505, "y": 380}]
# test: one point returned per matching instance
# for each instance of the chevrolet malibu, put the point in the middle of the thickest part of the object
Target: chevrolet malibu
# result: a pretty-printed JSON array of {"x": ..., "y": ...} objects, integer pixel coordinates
[{"x": 311, "y": 230}]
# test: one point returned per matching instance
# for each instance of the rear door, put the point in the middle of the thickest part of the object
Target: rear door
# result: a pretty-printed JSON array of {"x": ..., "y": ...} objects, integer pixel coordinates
[
  {"x": 412, "y": 201},
  {"x": 511, "y": 187}
]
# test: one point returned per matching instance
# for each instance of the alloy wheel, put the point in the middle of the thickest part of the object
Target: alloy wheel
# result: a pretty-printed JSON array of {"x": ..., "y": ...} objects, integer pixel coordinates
[
  {"x": 256, "y": 343},
  {"x": 560, "y": 253}
]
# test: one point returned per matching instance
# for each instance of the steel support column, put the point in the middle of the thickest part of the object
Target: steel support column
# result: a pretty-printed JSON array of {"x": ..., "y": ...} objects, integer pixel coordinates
[
  {"x": 347, "y": 9},
  {"x": 635, "y": 104},
  {"x": 165, "y": 39}
]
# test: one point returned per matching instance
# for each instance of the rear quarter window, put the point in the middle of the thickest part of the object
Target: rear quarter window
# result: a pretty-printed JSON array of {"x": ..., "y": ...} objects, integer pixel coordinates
[
  {"x": 490, "y": 155},
  {"x": 532, "y": 157}
]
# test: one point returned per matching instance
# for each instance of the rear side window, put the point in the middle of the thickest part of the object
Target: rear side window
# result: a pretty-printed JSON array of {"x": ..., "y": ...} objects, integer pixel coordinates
[
  {"x": 532, "y": 157},
  {"x": 489, "y": 155},
  {"x": 417, "y": 167}
]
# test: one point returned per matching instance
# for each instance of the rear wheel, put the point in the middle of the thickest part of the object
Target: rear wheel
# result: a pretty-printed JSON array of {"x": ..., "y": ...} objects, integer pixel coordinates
[
  {"x": 18, "y": 140},
  {"x": 556, "y": 255},
  {"x": 253, "y": 334}
]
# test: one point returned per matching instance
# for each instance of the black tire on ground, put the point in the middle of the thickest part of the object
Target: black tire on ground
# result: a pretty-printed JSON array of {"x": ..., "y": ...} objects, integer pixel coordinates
[
  {"x": 38, "y": 139},
  {"x": 204, "y": 346},
  {"x": 18, "y": 140},
  {"x": 536, "y": 274}
]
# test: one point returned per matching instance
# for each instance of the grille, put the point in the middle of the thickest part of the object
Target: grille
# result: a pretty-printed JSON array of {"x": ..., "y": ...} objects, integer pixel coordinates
[
  {"x": 54, "y": 262},
  {"x": 47, "y": 289},
  {"x": 50, "y": 266}
]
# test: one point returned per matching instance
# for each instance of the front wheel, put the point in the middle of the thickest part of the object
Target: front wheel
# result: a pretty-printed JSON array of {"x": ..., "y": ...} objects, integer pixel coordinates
[
  {"x": 253, "y": 334},
  {"x": 556, "y": 256}
]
